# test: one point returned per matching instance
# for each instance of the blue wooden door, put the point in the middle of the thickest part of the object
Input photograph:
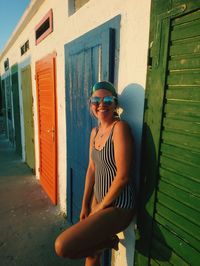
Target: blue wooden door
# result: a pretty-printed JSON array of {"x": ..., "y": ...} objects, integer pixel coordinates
[{"x": 88, "y": 59}]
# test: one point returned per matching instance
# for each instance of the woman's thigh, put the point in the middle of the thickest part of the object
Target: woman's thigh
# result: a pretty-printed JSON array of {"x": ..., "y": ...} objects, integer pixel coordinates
[{"x": 95, "y": 229}]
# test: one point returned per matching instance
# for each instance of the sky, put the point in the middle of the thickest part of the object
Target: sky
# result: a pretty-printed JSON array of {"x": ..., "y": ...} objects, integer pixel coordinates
[{"x": 11, "y": 12}]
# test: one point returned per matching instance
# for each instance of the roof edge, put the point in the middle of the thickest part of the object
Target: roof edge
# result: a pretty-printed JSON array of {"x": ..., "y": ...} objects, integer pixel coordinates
[{"x": 28, "y": 14}]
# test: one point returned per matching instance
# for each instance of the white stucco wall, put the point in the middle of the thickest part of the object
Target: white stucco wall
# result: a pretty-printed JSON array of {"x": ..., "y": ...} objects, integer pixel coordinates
[{"x": 130, "y": 80}]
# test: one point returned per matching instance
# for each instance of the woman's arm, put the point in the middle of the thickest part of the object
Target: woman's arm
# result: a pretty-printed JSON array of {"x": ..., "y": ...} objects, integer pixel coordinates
[
  {"x": 89, "y": 182},
  {"x": 123, "y": 151}
]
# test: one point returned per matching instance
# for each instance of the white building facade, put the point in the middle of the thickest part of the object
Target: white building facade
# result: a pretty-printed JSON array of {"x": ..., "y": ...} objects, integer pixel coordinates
[{"x": 47, "y": 47}]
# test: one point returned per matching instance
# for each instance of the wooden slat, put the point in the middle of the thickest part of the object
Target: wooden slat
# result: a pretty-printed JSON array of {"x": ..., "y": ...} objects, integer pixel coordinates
[
  {"x": 188, "y": 48},
  {"x": 46, "y": 163},
  {"x": 184, "y": 78},
  {"x": 182, "y": 249},
  {"x": 181, "y": 140},
  {"x": 47, "y": 179},
  {"x": 180, "y": 181},
  {"x": 174, "y": 224},
  {"x": 189, "y": 217},
  {"x": 183, "y": 93},
  {"x": 173, "y": 258},
  {"x": 181, "y": 154},
  {"x": 182, "y": 126},
  {"x": 186, "y": 18},
  {"x": 184, "y": 62},
  {"x": 181, "y": 223},
  {"x": 187, "y": 30},
  {"x": 180, "y": 168},
  {"x": 47, "y": 186},
  {"x": 174, "y": 112},
  {"x": 47, "y": 140},
  {"x": 186, "y": 198}
]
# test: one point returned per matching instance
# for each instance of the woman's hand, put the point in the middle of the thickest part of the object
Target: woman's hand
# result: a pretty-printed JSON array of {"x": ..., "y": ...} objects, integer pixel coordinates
[
  {"x": 97, "y": 208},
  {"x": 84, "y": 212}
]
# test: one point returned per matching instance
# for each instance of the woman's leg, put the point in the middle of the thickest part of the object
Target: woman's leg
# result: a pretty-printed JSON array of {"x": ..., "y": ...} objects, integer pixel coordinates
[
  {"x": 93, "y": 233},
  {"x": 93, "y": 260}
]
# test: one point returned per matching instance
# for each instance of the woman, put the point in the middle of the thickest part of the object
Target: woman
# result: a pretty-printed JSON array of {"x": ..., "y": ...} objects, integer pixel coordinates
[{"x": 109, "y": 200}]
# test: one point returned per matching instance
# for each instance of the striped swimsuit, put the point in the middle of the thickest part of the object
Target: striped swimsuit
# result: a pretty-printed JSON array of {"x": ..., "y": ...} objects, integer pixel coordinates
[{"x": 105, "y": 171}]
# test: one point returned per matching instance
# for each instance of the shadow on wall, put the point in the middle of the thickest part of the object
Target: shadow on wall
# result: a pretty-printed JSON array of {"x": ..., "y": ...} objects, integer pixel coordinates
[
  {"x": 131, "y": 100},
  {"x": 147, "y": 225}
]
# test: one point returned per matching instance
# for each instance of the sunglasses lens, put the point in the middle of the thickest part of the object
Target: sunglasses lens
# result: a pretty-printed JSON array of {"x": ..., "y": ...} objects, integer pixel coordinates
[
  {"x": 108, "y": 100},
  {"x": 95, "y": 100}
]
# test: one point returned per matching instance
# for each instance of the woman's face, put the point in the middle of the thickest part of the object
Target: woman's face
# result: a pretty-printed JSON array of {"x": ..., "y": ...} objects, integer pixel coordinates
[{"x": 103, "y": 111}]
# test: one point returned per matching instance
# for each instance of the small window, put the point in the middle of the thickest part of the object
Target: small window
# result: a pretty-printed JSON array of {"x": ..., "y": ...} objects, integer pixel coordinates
[
  {"x": 44, "y": 27},
  {"x": 25, "y": 47},
  {"x": 6, "y": 64},
  {"x": 75, "y": 5},
  {"x": 80, "y": 3}
]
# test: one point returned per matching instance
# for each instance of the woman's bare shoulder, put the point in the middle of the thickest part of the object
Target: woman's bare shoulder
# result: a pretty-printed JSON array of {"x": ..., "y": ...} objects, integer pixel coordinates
[
  {"x": 93, "y": 132},
  {"x": 122, "y": 126},
  {"x": 123, "y": 132}
]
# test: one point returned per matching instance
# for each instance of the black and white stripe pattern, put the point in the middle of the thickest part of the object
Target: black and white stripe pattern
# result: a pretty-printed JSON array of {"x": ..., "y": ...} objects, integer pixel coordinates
[{"x": 105, "y": 172}]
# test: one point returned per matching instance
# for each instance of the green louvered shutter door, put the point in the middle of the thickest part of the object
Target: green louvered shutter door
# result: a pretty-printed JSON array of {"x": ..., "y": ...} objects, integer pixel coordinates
[{"x": 177, "y": 207}]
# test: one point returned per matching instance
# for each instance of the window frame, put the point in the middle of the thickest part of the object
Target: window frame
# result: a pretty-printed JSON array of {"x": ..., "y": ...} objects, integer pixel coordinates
[
  {"x": 49, "y": 16},
  {"x": 24, "y": 48}
]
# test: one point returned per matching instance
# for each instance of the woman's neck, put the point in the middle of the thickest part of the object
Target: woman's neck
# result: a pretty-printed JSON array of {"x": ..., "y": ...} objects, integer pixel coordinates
[{"x": 105, "y": 124}]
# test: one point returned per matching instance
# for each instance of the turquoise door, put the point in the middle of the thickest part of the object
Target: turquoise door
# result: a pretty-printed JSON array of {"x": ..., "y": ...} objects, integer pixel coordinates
[
  {"x": 0, "y": 98},
  {"x": 4, "y": 122},
  {"x": 16, "y": 109},
  {"x": 9, "y": 109}
]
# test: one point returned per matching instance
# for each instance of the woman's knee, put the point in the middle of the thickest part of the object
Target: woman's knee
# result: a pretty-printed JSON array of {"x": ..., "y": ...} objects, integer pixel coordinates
[
  {"x": 63, "y": 248},
  {"x": 59, "y": 247}
]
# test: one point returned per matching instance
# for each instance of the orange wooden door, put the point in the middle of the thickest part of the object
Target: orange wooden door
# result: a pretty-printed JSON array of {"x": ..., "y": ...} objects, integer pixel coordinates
[{"x": 46, "y": 100}]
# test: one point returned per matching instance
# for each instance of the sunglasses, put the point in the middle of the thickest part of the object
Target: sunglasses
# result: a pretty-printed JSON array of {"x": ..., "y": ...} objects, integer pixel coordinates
[{"x": 107, "y": 100}]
